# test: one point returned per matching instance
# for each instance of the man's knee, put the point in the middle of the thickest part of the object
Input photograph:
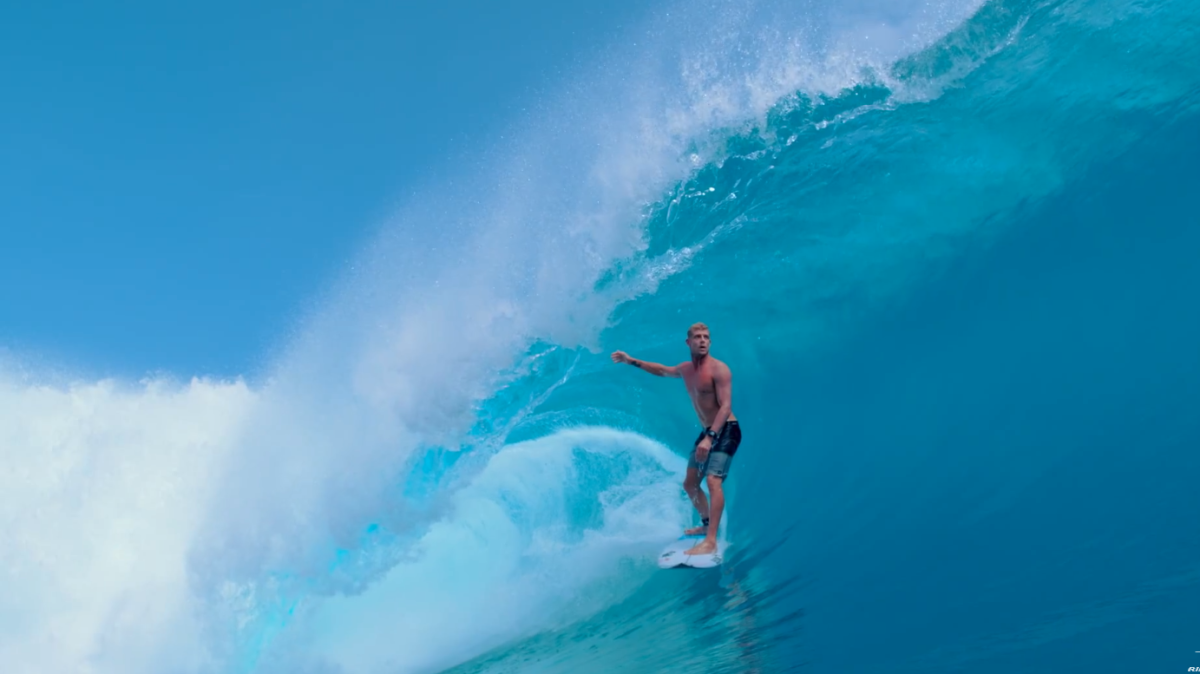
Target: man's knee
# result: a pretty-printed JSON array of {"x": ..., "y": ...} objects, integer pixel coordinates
[
  {"x": 691, "y": 483},
  {"x": 714, "y": 482}
]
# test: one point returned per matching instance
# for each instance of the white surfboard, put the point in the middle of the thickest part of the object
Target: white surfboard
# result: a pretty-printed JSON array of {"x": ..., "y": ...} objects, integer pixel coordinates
[{"x": 673, "y": 556}]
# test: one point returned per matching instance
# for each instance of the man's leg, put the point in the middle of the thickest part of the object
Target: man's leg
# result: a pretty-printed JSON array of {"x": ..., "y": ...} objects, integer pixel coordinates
[
  {"x": 691, "y": 485},
  {"x": 716, "y": 494}
]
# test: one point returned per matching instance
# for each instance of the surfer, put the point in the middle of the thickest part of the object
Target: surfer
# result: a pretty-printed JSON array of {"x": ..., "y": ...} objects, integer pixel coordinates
[{"x": 710, "y": 386}]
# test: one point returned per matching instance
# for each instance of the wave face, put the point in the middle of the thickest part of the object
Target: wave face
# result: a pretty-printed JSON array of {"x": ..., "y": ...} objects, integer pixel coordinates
[{"x": 954, "y": 275}]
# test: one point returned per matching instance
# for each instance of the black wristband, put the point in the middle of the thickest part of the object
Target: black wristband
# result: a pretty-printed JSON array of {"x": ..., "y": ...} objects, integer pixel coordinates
[{"x": 710, "y": 433}]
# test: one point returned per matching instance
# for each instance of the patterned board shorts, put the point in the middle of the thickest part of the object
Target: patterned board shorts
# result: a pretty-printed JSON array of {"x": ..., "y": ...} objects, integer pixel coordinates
[{"x": 721, "y": 453}]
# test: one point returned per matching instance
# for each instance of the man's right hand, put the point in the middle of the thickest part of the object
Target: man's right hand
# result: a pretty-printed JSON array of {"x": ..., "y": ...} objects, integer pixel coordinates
[{"x": 620, "y": 357}]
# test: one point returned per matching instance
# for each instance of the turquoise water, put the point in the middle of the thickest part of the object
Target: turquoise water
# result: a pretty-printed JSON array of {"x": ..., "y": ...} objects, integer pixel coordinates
[
  {"x": 956, "y": 281},
  {"x": 964, "y": 333}
]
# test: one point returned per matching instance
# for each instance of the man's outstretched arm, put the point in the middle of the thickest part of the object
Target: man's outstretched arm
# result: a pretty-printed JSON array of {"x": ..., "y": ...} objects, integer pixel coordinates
[{"x": 656, "y": 369}]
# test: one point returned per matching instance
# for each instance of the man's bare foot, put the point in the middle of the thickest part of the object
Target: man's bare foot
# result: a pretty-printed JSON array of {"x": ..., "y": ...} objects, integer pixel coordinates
[
  {"x": 696, "y": 531},
  {"x": 704, "y": 547}
]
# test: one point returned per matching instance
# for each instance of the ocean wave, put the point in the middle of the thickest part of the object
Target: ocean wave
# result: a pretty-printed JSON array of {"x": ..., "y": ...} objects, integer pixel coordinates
[{"x": 444, "y": 463}]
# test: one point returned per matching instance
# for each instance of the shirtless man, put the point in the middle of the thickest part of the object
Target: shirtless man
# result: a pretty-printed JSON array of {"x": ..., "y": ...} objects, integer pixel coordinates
[{"x": 710, "y": 385}]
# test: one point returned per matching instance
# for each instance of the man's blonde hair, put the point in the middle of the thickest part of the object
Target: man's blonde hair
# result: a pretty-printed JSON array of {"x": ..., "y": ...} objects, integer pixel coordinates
[{"x": 695, "y": 327}]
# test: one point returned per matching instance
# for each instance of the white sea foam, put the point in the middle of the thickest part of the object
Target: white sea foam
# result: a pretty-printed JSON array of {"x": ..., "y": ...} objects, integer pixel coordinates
[
  {"x": 529, "y": 543},
  {"x": 102, "y": 488}
]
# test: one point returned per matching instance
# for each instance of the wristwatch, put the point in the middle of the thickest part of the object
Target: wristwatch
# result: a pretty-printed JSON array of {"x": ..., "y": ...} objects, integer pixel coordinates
[{"x": 710, "y": 433}]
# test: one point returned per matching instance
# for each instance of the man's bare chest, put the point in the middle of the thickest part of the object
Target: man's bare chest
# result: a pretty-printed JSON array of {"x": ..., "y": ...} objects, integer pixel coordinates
[{"x": 700, "y": 384}]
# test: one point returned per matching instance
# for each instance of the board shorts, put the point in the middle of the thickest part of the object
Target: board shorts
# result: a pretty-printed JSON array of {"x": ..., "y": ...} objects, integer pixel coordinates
[{"x": 721, "y": 453}]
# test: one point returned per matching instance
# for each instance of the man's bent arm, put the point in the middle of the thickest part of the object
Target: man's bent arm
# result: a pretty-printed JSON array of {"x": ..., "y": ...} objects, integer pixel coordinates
[
  {"x": 656, "y": 369},
  {"x": 724, "y": 385}
]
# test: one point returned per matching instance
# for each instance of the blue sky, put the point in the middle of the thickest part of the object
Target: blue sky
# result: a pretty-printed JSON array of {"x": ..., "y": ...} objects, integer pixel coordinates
[{"x": 178, "y": 181}]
